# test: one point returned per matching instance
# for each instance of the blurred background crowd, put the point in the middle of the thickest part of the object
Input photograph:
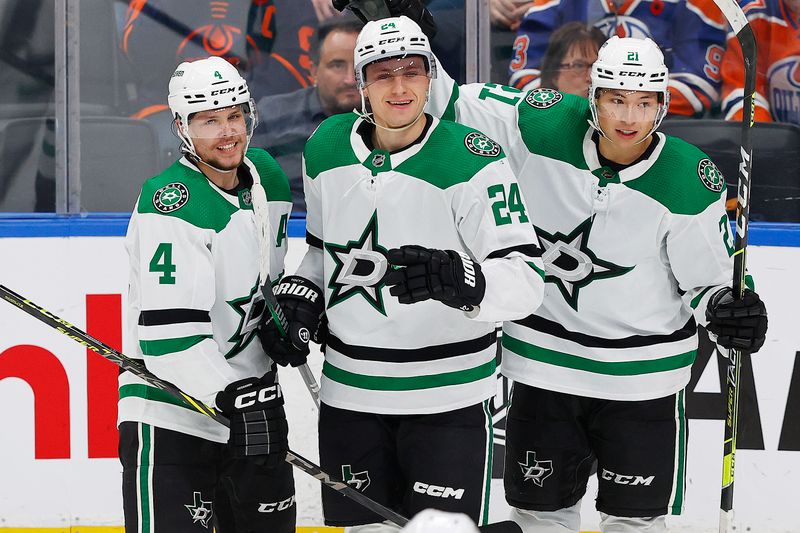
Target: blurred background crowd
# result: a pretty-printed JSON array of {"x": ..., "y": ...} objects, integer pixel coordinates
[{"x": 84, "y": 120}]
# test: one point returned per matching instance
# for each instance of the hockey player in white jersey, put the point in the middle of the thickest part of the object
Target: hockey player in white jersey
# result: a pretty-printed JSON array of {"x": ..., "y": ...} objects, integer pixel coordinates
[
  {"x": 194, "y": 308},
  {"x": 404, "y": 208},
  {"x": 637, "y": 251}
]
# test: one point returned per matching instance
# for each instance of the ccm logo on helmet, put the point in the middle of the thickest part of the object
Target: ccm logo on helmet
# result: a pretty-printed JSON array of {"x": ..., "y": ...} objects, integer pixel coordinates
[
  {"x": 391, "y": 40},
  {"x": 632, "y": 74},
  {"x": 437, "y": 491},
  {"x": 261, "y": 396},
  {"x": 222, "y": 91}
]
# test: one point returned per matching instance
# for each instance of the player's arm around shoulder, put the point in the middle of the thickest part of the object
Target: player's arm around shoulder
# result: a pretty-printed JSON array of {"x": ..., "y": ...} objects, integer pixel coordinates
[{"x": 495, "y": 224}]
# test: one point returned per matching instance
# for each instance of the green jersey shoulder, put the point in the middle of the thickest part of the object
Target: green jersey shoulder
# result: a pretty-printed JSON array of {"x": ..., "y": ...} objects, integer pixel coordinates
[
  {"x": 273, "y": 178},
  {"x": 452, "y": 154},
  {"x": 553, "y": 124},
  {"x": 329, "y": 146},
  {"x": 182, "y": 192},
  {"x": 683, "y": 179}
]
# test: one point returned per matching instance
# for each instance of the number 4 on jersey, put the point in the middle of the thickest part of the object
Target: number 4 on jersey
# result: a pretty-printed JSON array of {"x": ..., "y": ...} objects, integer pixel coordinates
[
  {"x": 162, "y": 262},
  {"x": 507, "y": 204}
]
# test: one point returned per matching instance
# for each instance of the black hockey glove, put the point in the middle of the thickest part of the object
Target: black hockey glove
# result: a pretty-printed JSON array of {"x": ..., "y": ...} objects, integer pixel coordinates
[
  {"x": 368, "y": 10},
  {"x": 258, "y": 422},
  {"x": 450, "y": 277},
  {"x": 738, "y": 324},
  {"x": 303, "y": 305}
]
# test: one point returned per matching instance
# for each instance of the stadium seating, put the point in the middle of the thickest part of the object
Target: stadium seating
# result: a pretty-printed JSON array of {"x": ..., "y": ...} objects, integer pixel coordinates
[{"x": 775, "y": 194}]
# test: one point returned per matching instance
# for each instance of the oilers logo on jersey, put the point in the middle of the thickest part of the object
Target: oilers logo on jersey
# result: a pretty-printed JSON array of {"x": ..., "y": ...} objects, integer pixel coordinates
[
  {"x": 784, "y": 84},
  {"x": 625, "y": 26},
  {"x": 571, "y": 265},
  {"x": 360, "y": 267}
]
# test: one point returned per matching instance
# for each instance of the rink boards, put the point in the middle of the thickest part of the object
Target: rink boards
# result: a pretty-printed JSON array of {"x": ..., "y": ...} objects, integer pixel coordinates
[{"x": 58, "y": 463}]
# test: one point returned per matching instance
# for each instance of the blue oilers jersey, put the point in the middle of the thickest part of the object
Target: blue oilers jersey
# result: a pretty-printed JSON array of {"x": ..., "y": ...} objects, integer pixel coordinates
[{"x": 691, "y": 33}]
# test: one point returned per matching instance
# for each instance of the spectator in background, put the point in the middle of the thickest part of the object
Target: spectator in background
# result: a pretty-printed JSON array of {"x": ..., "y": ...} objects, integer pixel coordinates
[
  {"x": 776, "y": 25},
  {"x": 567, "y": 63},
  {"x": 505, "y": 16},
  {"x": 287, "y": 120},
  {"x": 690, "y": 33}
]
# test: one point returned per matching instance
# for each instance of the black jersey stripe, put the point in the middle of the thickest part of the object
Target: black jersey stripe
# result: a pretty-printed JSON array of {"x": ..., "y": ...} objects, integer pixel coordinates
[
  {"x": 412, "y": 355},
  {"x": 162, "y": 317},
  {"x": 530, "y": 250},
  {"x": 313, "y": 240},
  {"x": 634, "y": 341}
]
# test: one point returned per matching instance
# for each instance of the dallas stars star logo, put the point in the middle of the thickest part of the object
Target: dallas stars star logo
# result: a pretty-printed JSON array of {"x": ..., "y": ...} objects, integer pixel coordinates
[
  {"x": 200, "y": 510},
  {"x": 571, "y": 265},
  {"x": 360, "y": 266},
  {"x": 249, "y": 308},
  {"x": 536, "y": 471}
]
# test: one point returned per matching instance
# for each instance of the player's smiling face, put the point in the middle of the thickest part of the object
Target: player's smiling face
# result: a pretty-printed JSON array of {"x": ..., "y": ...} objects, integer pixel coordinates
[
  {"x": 626, "y": 117},
  {"x": 397, "y": 89},
  {"x": 220, "y": 136}
]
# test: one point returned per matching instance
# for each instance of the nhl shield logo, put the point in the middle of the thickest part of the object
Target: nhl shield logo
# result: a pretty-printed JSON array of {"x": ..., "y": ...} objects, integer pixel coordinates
[
  {"x": 378, "y": 160},
  {"x": 171, "y": 197},
  {"x": 543, "y": 98},
  {"x": 710, "y": 175},
  {"x": 480, "y": 144}
]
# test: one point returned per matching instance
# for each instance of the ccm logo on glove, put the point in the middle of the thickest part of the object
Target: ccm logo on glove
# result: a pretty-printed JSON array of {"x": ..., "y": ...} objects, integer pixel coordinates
[{"x": 249, "y": 399}]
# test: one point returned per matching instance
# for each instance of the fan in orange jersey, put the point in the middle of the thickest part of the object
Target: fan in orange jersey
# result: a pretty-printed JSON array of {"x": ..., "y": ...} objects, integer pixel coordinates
[{"x": 776, "y": 24}]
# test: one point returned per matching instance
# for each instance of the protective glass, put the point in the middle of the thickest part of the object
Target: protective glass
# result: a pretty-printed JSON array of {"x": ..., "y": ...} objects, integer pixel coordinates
[
  {"x": 411, "y": 70},
  {"x": 618, "y": 109},
  {"x": 220, "y": 123}
]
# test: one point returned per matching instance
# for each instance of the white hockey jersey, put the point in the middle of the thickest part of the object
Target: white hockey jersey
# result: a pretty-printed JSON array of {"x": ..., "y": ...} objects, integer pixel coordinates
[
  {"x": 194, "y": 298},
  {"x": 453, "y": 189},
  {"x": 631, "y": 258}
]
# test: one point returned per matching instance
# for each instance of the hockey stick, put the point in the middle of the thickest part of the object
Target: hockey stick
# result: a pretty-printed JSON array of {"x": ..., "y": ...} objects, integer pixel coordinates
[
  {"x": 744, "y": 33},
  {"x": 299, "y": 336},
  {"x": 138, "y": 369}
]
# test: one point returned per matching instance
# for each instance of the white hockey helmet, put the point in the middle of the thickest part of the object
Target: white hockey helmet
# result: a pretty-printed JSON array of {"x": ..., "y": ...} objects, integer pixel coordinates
[
  {"x": 205, "y": 85},
  {"x": 630, "y": 64},
  {"x": 432, "y": 521},
  {"x": 390, "y": 37}
]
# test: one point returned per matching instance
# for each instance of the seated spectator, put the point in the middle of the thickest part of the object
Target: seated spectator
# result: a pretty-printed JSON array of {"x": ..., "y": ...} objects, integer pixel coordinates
[
  {"x": 567, "y": 63},
  {"x": 691, "y": 34},
  {"x": 287, "y": 120},
  {"x": 777, "y": 34}
]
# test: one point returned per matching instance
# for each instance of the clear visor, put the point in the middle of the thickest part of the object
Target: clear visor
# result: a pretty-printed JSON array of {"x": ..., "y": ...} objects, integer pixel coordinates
[
  {"x": 234, "y": 121},
  {"x": 411, "y": 70},
  {"x": 628, "y": 109}
]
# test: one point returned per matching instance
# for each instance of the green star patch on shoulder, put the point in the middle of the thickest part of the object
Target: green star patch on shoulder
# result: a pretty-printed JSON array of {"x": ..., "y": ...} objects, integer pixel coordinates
[
  {"x": 171, "y": 197},
  {"x": 543, "y": 98},
  {"x": 710, "y": 175},
  {"x": 480, "y": 144}
]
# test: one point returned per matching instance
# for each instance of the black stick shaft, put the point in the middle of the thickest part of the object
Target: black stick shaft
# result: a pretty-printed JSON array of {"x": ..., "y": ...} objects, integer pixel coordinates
[
  {"x": 139, "y": 370},
  {"x": 744, "y": 34}
]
